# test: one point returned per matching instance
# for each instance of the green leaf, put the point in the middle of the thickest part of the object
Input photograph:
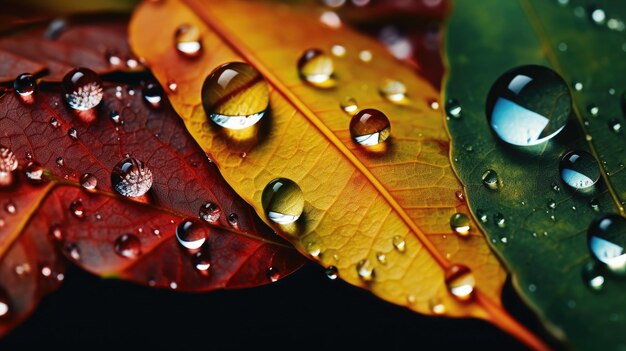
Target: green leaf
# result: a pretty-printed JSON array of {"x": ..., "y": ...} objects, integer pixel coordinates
[{"x": 545, "y": 248}]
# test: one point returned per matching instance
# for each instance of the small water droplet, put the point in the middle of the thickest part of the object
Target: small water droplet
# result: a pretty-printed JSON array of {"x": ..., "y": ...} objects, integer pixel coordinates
[
  {"x": 173, "y": 285},
  {"x": 172, "y": 86},
  {"x": 593, "y": 110},
  {"x": 578, "y": 86},
  {"x": 77, "y": 209},
  {"x": 131, "y": 178},
  {"x": 73, "y": 251},
  {"x": 393, "y": 90},
  {"x": 615, "y": 126},
  {"x": 202, "y": 261},
  {"x": 83, "y": 89},
  {"x": 597, "y": 15},
  {"x": 607, "y": 241},
  {"x": 434, "y": 104},
  {"x": 453, "y": 109},
  {"x": 381, "y": 257},
  {"x": 8, "y": 164},
  {"x": 491, "y": 180},
  {"x": 399, "y": 243},
  {"x": 283, "y": 201},
  {"x": 330, "y": 19},
  {"x": 594, "y": 204},
  {"x": 235, "y": 95},
  {"x": 10, "y": 207},
  {"x": 210, "y": 212},
  {"x": 60, "y": 162},
  {"x": 528, "y": 105},
  {"x": 113, "y": 57},
  {"x": 56, "y": 232},
  {"x": 128, "y": 245},
  {"x": 115, "y": 116},
  {"x": 332, "y": 272},
  {"x": 191, "y": 233},
  {"x": 188, "y": 41},
  {"x": 436, "y": 306},
  {"x": 272, "y": 274},
  {"x": 22, "y": 269},
  {"x": 233, "y": 219},
  {"x": 338, "y": 50},
  {"x": 54, "y": 123},
  {"x": 499, "y": 219},
  {"x": 316, "y": 68},
  {"x": 349, "y": 106},
  {"x": 460, "y": 281},
  {"x": 365, "y": 55},
  {"x": 88, "y": 181},
  {"x": 34, "y": 173},
  {"x": 482, "y": 216},
  {"x": 365, "y": 270},
  {"x": 25, "y": 84},
  {"x": 46, "y": 271},
  {"x": 579, "y": 170},
  {"x": 551, "y": 204},
  {"x": 153, "y": 94},
  {"x": 460, "y": 223},
  {"x": 593, "y": 276},
  {"x": 460, "y": 195},
  {"x": 370, "y": 127}
]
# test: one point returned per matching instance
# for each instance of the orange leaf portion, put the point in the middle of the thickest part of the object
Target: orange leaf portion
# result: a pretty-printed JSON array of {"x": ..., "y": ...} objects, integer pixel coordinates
[{"x": 357, "y": 200}]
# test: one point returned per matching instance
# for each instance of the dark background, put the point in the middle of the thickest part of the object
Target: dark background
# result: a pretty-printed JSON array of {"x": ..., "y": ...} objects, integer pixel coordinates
[{"x": 304, "y": 311}]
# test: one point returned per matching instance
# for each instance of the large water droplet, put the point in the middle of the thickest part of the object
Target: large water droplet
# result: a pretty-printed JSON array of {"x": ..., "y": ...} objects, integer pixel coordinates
[
  {"x": 153, "y": 94},
  {"x": 316, "y": 68},
  {"x": 187, "y": 40},
  {"x": 83, "y": 89},
  {"x": 393, "y": 90},
  {"x": 365, "y": 270},
  {"x": 528, "y": 105},
  {"x": 235, "y": 95},
  {"x": 25, "y": 84},
  {"x": 460, "y": 223},
  {"x": 491, "y": 180},
  {"x": 592, "y": 276},
  {"x": 607, "y": 241},
  {"x": 210, "y": 212},
  {"x": 370, "y": 127},
  {"x": 460, "y": 282},
  {"x": 283, "y": 201},
  {"x": 88, "y": 181},
  {"x": 128, "y": 245},
  {"x": 579, "y": 169},
  {"x": 77, "y": 209},
  {"x": 131, "y": 178},
  {"x": 34, "y": 173},
  {"x": 191, "y": 233}
]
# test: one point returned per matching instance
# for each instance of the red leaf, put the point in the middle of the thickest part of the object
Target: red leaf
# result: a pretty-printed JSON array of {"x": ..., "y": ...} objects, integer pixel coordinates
[{"x": 241, "y": 255}]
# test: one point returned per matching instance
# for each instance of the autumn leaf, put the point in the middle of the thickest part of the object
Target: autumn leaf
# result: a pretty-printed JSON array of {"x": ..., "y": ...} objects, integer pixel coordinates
[
  {"x": 378, "y": 217},
  {"x": 539, "y": 205},
  {"x": 62, "y": 187}
]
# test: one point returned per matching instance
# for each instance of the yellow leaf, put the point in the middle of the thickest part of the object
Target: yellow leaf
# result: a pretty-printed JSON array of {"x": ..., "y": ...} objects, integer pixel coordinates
[{"x": 358, "y": 200}]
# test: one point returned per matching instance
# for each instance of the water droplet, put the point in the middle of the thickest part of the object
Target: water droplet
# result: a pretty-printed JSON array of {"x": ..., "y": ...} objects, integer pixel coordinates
[
  {"x": 235, "y": 95},
  {"x": 153, "y": 94},
  {"x": 482, "y": 216},
  {"x": 597, "y": 15},
  {"x": 460, "y": 281},
  {"x": 73, "y": 134},
  {"x": 578, "y": 86},
  {"x": 8, "y": 164},
  {"x": 115, "y": 116},
  {"x": 22, "y": 269},
  {"x": 46, "y": 271},
  {"x": 330, "y": 19},
  {"x": 365, "y": 270},
  {"x": 88, "y": 181},
  {"x": 460, "y": 223},
  {"x": 316, "y": 68},
  {"x": 338, "y": 50},
  {"x": 381, "y": 257},
  {"x": 83, "y": 89},
  {"x": 551, "y": 204},
  {"x": 113, "y": 57},
  {"x": 272, "y": 274},
  {"x": 314, "y": 249},
  {"x": 25, "y": 84},
  {"x": 172, "y": 86},
  {"x": 131, "y": 178},
  {"x": 499, "y": 219},
  {"x": 173, "y": 285},
  {"x": 399, "y": 243},
  {"x": 349, "y": 105},
  {"x": 393, "y": 90},
  {"x": 72, "y": 250},
  {"x": 615, "y": 126},
  {"x": 210, "y": 212},
  {"x": 434, "y": 104},
  {"x": 34, "y": 172},
  {"x": 10, "y": 207},
  {"x": 491, "y": 179},
  {"x": 128, "y": 245},
  {"x": 60, "y": 162},
  {"x": 592, "y": 276},
  {"x": 191, "y": 233},
  {"x": 593, "y": 110},
  {"x": 594, "y": 204},
  {"x": 77, "y": 209},
  {"x": 202, "y": 261},
  {"x": 436, "y": 306},
  {"x": 54, "y": 123},
  {"x": 453, "y": 108},
  {"x": 607, "y": 241},
  {"x": 283, "y": 201},
  {"x": 579, "y": 169},
  {"x": 332, "y": 272},
  {"x": 188, "y": 41},
  {"x": 56, "y": 232},
  {"x": 556, "y": 187},
  {"x": 365, "y": 55},
  {"x": 4, "y": 305},
  {"x": 528, "y": 105},
  {"x": 233, "y": 219},
  {"x": 370, "y": 127}
]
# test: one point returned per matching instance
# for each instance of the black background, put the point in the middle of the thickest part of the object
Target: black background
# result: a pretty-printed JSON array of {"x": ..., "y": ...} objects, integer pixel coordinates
[{"x": 304, "y": 311}]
